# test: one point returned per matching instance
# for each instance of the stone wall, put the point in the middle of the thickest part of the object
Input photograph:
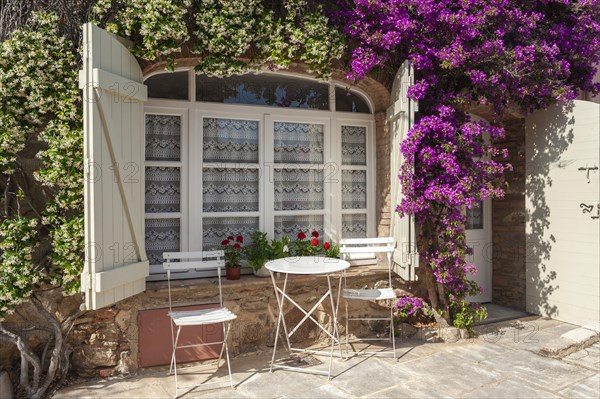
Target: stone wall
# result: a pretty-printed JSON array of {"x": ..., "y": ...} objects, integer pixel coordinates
[
  {"x": 383, "y": 183},
  {"x": 105, "y": 342},
  {"x": 508, "y": 225}
]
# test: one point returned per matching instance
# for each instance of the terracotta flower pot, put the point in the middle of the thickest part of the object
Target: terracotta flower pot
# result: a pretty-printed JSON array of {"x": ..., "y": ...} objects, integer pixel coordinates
[{"x": 233, "y": 273}]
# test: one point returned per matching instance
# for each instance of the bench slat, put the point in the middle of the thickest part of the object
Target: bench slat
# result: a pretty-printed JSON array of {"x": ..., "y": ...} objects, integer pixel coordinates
[
  {"x": 363, "y": 241},
  {"x": 357, "y": 250},
  {"x": 193, "y": 255}
]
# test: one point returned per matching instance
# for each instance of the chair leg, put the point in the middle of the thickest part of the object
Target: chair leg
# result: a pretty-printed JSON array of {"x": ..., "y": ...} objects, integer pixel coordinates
[
  {"x": 222, "y": 346},
  {"x": 347, "y": 331},
  {"x": 392, "y": 331},
  {"x": 227, "y": 352},
  {"x": 174, "y": 360}
]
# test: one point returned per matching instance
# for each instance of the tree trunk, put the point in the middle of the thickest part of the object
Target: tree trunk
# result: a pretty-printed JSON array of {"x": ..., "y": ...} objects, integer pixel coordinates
[{"x": 37, "y": 384}]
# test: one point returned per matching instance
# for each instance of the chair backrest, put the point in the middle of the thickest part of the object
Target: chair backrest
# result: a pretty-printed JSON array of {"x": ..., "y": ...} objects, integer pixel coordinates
[
  {"x": 384, "y": 245},
  {"x": 201, "y": 260}
]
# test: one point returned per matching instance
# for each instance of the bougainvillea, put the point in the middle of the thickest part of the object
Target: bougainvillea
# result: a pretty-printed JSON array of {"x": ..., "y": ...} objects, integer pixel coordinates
[
  {"x": 500, "y": 53},
  {"x": 408, "y": 306}
]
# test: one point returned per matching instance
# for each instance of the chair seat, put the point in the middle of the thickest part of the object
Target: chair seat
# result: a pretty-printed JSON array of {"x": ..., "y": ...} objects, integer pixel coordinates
[
  {"x": 369, "y": 295},
  {"x": 201, "y": 317}
]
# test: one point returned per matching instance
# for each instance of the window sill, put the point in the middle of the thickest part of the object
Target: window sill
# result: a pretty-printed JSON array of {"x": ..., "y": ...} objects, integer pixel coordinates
[{"x": 254, "y": 282}]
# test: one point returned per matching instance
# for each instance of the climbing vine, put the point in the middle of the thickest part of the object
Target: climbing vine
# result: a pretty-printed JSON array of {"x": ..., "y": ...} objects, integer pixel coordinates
[
  {"x": 41, "y": 209},
  {"x": 41, "y": 234},
  {"x": 227, "y": 36}
]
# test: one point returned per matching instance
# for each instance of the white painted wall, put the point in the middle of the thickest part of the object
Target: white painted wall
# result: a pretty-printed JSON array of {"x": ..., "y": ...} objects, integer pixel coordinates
[{"x": 563, "y": 279}]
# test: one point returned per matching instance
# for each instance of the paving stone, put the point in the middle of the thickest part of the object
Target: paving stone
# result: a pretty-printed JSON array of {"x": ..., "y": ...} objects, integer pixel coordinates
[
  {"x": 586, "y": 388},
  {"x": 372, "y": 375},
  {"x": 280, "y": 383},
  {"x": 550, "y": 374},
  {"x": 594, "y": 327},
  {"x": 580, "y": 335},
  {"x": 324, "y": 391},
  {"x": 587, "y": 357},
  {"x": 477, "y": 352},
  {"x": 568, "y": 342},
  {"x": 499, "y": 364},
  {"x": 450, "y": 372},
  {"x": 411, "y": 389},
  {"x": 509, "y": 388}
]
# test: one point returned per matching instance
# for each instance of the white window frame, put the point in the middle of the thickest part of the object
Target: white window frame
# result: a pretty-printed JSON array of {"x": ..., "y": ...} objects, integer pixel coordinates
[
  {"x": 182, "y": 164},
  {"x": 193, "y": 112}
]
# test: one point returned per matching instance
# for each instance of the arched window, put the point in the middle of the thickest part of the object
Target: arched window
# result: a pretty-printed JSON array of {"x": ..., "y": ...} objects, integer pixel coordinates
[{"x": 274, "y": 152}]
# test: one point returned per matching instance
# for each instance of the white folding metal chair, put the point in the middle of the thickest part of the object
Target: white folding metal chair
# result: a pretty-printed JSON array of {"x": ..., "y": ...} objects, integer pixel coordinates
[
  {"x": 357, "y": 246},
  {"x": 213, "y": 260}
]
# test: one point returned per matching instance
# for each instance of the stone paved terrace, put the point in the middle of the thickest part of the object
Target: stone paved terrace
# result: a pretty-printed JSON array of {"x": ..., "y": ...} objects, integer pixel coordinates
[{"x": 502, "y": 362}]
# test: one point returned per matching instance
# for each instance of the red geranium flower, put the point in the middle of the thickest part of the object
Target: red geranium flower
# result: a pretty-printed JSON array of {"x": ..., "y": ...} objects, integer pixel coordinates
[
  {"x": 315, "y": 234},
  {"x": 314, "y": 242},
  {"x": 301, "y": 236},
  {"x": 230, "y": 238},
  {"x": 239, "y": 239},
  {"x": 225, "y": 242},
  {"x": 236, "y": 246},
  {"x": 326, "y": 246}
]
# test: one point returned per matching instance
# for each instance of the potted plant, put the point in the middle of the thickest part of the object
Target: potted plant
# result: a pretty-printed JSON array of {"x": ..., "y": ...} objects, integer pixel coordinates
[
  {"x": 261, "y": 251},
  {"x": 258, "y": 253},
  {"x": 233, "y": 252},
  {"x": 312, "y": 247}
]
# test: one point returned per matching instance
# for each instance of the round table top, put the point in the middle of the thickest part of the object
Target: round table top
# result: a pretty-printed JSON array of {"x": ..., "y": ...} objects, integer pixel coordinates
[{"x": 307, "y": 265}]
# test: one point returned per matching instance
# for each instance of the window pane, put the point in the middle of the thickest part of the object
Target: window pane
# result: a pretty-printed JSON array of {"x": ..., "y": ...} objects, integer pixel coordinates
[
  {"x": 346, "y": 101},
  {"x": 215, "y": 230},
  {"x": 290, "y": 226},
  {"x": 298, "y": 142},
  {"x": 354, "y": 189},
  {"x": 354, "y": 226},
  {"x": 268, "y": 90},
  {"x": 163, "y": 189},
  {"x": 475, "y": 217},
  {"x": 163, "y": 138},
  {"x": 172, "y": 85},
  {"x": 162, "y": 235},
  {"x": 230, "y": 140},
  {"x": 298, "y": 189},
  {"x": 354, "y": 145},
  {"x": 229, "y": 190}
]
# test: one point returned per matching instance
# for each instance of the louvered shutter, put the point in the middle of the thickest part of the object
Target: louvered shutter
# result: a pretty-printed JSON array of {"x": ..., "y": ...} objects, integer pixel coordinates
[
  {"x": 400, "y": 117},
  {"x": 116, "y": 265}
]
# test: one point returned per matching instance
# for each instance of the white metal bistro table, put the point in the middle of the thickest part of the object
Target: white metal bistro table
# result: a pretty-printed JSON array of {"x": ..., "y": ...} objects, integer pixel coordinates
[{"x": 306, "y": 265}]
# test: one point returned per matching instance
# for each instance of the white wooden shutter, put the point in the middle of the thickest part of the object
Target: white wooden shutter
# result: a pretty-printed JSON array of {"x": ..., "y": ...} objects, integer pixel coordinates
[
  {"x": 400, "y": 117},
  {"x": 116, "y": 265}
]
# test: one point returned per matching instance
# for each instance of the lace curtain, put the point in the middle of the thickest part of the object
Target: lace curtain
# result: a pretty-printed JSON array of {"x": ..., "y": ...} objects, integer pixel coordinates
[
  {"x": 163, "y": 189},
  {"x": 229, "y": 190},
  {"x": 215, "y": 230},
  {"x": 230, "y": 140},
  {"x": 354, "y": 189},
  {"x": 354, "y": 226},
  {"x": 163, "y": 138},
  {"x": 161, "y": 235},
  {"x": 298, "y": 142},
  {"x": 290, "y": 226},
  {"x": 298, "y": 189},
  {"x": 354, "y": 145}
]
